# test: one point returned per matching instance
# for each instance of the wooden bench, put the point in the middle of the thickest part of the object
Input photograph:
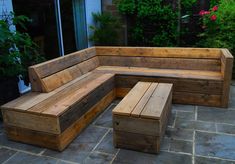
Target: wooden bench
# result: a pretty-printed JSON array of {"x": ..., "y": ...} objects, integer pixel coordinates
[
  {"x": 66, "y": 97},
  {"x": 201, "y": 76},
  {"x": 140, "y": 119},
  {"x": 69, "y": 92}
]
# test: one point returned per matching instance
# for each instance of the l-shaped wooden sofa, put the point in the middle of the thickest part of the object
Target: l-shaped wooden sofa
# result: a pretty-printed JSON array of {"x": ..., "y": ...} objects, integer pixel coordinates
[{"x": 69, "y": 92}]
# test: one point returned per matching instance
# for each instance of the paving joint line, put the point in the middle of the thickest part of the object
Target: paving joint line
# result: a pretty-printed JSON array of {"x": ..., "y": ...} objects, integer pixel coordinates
[
  {"x": 10, "y": 157},
  {"x": 193, "y": 148},
  {"x": 101, "y": 140},
  {"x": 115, "y": 156}
]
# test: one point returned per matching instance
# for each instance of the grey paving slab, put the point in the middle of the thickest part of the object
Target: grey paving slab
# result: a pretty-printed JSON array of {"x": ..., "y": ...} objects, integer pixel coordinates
[
  {"x": 185, "y": 108},
  {"x": 165, "y": 144},
  {"x": 205, "y": 160},
  {"x": 177, "y": 133},
  {"x": 5, "y": 154},
  {"x": 181, "y": 146},
  {"x": 215, "y": 145},
  {"x": 23, "y": 158},
  {"x": 196, "y": 125},
  {"x": 225, "y": 128},
  {"x": 133, "y": 157},
  {"x": 20, "y": 146},
  {"x": 219, "y": 115},
  {"x": 185, "y": 115},
  {"x": 98, "y": 158},
  {"x": 106, "y": 144},
  {"x": 105, "y": 119},
  {"x": 172, "y": 118},
  {"x": 81, "y": 147}
]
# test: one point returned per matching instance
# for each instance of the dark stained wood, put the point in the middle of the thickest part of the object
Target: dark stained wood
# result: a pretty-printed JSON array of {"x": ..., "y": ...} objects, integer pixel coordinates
[
  {"x": 136, "y": 141},
  {"x": 78, "y": 109},
  {"x": 59, "y": 141},
  {"x": 179, "y": 85}
]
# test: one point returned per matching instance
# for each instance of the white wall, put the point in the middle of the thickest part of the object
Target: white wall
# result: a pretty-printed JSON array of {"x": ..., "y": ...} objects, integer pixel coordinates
[
  {"x": 5, "y": 7},
  {"x": 92, "y": 6}
]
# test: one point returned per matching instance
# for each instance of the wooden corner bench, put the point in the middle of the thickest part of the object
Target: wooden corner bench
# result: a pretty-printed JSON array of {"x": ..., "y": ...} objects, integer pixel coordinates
[
  {"x": 69, "y": 92},
  {"x": 140, "y": 119}
]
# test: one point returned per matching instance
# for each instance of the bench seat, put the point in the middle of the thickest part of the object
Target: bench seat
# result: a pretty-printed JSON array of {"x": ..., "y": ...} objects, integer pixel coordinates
[
  {"x": 56, "y": 111},
  {"x": 173, "y": 73},
  {"x": 190, "y": 86}
]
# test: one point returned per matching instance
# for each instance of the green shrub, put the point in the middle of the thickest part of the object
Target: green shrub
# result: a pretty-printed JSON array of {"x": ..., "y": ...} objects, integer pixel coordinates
[
  {"x": 219, "y": 26},
  {"x": 152, "y": 22},
  {"x": 17, "y": 50},
  {"x": 105, "y": 30}
]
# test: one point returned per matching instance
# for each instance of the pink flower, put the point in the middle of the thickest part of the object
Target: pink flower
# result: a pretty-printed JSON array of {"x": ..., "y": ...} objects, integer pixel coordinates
[
  {"x": 215, "y": 8},
  {"x": 213, "y": 17},
  {"x": 207, "y": 12},
  {"x": 203, "y": 12}
]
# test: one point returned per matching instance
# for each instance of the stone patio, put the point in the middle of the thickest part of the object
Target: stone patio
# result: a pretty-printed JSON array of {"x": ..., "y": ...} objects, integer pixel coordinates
[{"x": 195, "y": 134}]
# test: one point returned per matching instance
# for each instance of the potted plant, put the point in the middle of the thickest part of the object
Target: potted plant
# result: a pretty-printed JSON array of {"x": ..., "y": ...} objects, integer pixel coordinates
[{"x": 17, "y": 53}]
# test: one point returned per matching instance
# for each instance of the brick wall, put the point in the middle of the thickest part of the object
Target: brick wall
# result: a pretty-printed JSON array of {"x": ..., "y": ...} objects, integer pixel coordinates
[{"x": 109, "y": 6}]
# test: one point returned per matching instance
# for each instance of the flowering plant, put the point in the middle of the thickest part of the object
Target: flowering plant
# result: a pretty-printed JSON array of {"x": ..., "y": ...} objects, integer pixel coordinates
[{"x": 218, "y": 26}]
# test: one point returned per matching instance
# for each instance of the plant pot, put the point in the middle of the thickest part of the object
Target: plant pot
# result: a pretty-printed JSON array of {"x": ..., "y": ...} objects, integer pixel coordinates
[{"x": 8, "y": 89}]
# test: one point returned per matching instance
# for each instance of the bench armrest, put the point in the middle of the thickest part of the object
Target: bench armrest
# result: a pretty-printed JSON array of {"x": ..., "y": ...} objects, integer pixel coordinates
[{"x": 226, "y": 70}]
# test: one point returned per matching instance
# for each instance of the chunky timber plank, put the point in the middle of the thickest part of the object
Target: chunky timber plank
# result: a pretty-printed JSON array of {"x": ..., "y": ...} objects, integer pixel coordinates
[
  {"x": 162, "y": 63},
  {"x": 59, "y": 107},
  {"x": 136, "y": 141},
  {"x": 173, "y": 73},
  {"x": 31, "y": 121},
  {"x": 146, "y": 105},
  {"x": 179, "y": 85},
  {"x": 78, "y": 109},
  {"x": 64, "y": 110},
  {"x": 55, "y": 65},
  {"x": 60, "y": 78},
  {"x": 157, "y": 102},
  {"x": 226, "y": 70},
  {"x": 184, "y": 97},
  {"x": 59, "y": 141},
  {"x": 60, "y": 95},
  {"x": 31, "y": 99},
  {"x": 205, "y": 53},
  {"x": 127, "y": 105},
  {"x": 144, "y": 100}
]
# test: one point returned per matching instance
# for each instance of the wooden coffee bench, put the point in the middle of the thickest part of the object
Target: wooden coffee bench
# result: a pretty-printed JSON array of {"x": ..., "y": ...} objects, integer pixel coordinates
[{"x": 140, "y": 119}]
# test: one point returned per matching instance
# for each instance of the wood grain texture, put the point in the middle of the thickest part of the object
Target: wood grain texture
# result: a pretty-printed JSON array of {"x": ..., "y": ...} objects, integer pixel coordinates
[
  {"x": 59, "y": 141},
  {"x": 31, "y": 121},
  {"x": 179, "y": 85},
  {"x": 172, "y": 73},
  {"x": 55, "y": 65},
  {"x": 137, "y": 142},
  {"x": 162, "y": 63},
  {"x": 127, "y": 105},
  {"x": 157, "y": 103},
  {"x": 226, "y": 70},
  {"x": 206, "y": 53},
  {"x": 184, "y": 98}
]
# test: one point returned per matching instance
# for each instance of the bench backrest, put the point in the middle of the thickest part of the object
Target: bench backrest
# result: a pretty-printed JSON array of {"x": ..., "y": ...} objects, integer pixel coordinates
[
  {"x": 163, "y": 58},
  {"x": 47, "y": 76}
]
